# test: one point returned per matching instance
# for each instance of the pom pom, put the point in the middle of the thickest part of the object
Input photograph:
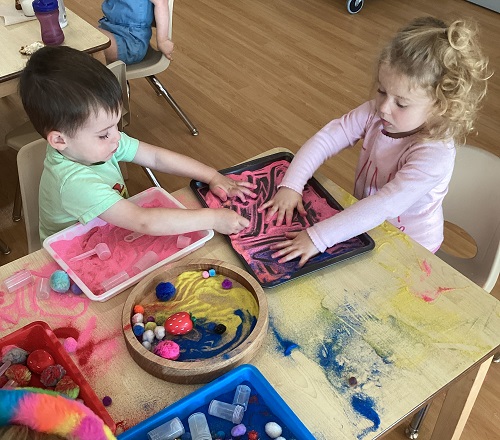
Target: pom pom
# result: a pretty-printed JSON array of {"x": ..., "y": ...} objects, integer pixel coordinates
[
  {"x": 219, "y": 329},
  {"x": 59, "y": 281},
  {"x": 159, "y": 332},
  {"x": 52, "y": 374},
  {"x": 150, "y": 325},
  {"x": 70, "y": 344},
  {"x": 68, "y": 387},
  {"x": 150, "y": 319},
  {"x": 211, "y": 272},
  {"x": 19, "y": 373},
  {"x": 146, "y": 345},
  {"x": 138, "y": 309},
  {"x": 138, "y": 329},
  {"x": 39, "y": 360},
  {"x": 75, "y": 289},
  {"x": 253, "y": 435},
  {"x": 168, "y": 350},
  {"x": 227, "y": 284},
  {"x": 138, "y": 317},
  {"x": 106, "y": 401},
  {"x": 15, "y": 355},
  {"x": 148, "y": 336},
  {"x": 205, "y": 274},
  {"x": 165, "y": 291}
]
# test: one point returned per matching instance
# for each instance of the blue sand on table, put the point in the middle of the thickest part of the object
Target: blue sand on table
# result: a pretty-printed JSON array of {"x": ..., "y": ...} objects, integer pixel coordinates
[
  {"x": 364, "y": 406},
  {"x": 286, "y": 345}
]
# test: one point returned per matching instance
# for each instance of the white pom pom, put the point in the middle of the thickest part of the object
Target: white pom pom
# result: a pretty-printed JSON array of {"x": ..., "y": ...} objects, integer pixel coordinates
[
  {"x": 148, "y": 336},
  {"x": 159, "y": 332},
  {"x": 146, "y": 345},
  {"x": 138, "y": 317}
]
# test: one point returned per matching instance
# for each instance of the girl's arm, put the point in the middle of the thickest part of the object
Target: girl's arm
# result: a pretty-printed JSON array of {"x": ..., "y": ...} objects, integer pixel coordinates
[{"x": 162, "y": 19}]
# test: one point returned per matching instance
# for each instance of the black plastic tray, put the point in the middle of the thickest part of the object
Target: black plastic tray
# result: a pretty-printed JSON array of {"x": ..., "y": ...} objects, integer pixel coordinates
[{"x": 266, "y": 270}]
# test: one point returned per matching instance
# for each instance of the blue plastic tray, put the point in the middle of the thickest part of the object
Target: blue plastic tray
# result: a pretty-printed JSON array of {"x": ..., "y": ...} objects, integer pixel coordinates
[{"x": 265, "y": 405}]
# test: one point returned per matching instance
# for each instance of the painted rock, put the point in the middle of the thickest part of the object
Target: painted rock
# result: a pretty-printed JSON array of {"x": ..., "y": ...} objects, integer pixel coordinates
[
  {"x": 179, "y": 323},
  {"x": 39, "y": 360}
]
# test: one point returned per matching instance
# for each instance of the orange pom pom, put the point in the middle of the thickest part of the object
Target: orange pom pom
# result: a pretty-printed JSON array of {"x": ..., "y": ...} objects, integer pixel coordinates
[{"x": 138, "y": 309}]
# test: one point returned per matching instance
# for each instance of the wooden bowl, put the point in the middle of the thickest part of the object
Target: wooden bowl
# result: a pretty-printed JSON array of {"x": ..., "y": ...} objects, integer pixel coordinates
[{"x": 200, "y": 371}]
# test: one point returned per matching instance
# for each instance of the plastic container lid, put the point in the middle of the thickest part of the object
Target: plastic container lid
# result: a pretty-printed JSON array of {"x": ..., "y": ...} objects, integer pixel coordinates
[{"x": 45, "y": 5}]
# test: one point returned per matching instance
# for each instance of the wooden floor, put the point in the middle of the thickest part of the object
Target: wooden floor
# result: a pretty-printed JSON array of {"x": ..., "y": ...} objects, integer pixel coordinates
[{"x": 253, "y": 75}]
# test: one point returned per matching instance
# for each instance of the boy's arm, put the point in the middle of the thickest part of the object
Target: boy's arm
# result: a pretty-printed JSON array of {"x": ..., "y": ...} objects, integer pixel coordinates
[
  {"x": 170, "y": 162},
  {"x": 172, "y": 221},
  {"x": 162, "y": 19}
]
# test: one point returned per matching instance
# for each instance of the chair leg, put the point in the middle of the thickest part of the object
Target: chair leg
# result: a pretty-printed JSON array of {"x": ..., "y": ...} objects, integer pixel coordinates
[
  {"x": 152, "y": 177},
  {"x": 4, "y": 248},
  {"x": 411, "y": 430},
  {"x": 16, "y": 210},
  {"x": 164, "y": 92}
]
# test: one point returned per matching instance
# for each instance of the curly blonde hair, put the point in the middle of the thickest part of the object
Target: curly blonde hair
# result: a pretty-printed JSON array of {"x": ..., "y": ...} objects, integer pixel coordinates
[{"x": 448, "y": 63}]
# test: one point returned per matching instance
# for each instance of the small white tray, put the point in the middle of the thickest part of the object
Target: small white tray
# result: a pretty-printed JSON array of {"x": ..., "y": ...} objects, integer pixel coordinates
[{"x": 56, "y": 243}]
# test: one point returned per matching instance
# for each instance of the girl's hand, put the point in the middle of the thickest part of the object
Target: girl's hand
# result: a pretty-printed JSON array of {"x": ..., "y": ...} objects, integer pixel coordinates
[
  {"x": 229, "y": 222},
  {"x": 298, "y": 245},
  {"x": 283, "y": 203},
  {"x": 166, "y": 47},
  {"x": 224, "y": 187}
]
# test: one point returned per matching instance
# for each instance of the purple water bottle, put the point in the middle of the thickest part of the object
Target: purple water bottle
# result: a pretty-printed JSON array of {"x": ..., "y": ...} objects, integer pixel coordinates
[{"x": 47, "y": 12}]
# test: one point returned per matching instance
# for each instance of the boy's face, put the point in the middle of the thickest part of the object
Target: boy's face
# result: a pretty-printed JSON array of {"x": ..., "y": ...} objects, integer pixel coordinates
[
  {"x": 96, "y": 141},
  {"x": 403, "y": 108}
]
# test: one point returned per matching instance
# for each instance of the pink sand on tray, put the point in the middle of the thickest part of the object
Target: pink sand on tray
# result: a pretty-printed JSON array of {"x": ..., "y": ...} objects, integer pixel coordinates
[{"x": 93, "y": 271}]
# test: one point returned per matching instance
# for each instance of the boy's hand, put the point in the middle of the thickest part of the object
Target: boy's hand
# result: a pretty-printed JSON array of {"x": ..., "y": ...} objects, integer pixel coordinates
[
  {"x": 283, "y": 203},
  {"x": 166, "y": 47},
  {"x": 229, "y": 222},
  {"x": 299, "y": 244},
  {"x": 224, "y": 187}
]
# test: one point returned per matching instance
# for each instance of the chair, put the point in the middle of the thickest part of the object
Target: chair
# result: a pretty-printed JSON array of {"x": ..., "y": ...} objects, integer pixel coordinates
[
  {"x": 473, "y": 204},
  {"x": 30, "y": 166},
  {"x": 154, "y": 63},
  {"x": 4, "y": 249},
  {"x": 26, "y": 133}
]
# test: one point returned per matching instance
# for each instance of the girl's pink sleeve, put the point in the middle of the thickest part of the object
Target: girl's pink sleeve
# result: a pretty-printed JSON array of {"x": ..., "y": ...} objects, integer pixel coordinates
[{"x": 330, "y": 140}]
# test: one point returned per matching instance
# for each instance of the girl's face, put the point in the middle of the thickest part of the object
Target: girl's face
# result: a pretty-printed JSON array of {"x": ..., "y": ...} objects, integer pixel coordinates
[
  {"x": 96, "y": 141},
  {"x": 403, "y": 109}
]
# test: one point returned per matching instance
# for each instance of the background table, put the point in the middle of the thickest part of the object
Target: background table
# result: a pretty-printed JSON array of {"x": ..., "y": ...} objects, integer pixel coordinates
[
  {"x": 398, "y": 319},
  {"x": 78, "y": 34}
]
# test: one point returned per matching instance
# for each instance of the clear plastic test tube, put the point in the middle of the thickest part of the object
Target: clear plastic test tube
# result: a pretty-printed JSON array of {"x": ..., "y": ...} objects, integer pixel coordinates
[
  {"x": 168, "y": 431},
  {"x": 198, "y": 427},
  {"x": 226, "y": 411},
  {"x": 18, "y": 280},
  {"x": 241, "y": 396},
  {"x": 115, "y": 280},
  {"x": 150, "y": 258}
]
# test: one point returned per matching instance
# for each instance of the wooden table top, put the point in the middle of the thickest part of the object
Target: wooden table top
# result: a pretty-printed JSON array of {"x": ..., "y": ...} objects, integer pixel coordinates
[
  {"x": 78, "y": 34},
  {"x": 398, "y": 319}
]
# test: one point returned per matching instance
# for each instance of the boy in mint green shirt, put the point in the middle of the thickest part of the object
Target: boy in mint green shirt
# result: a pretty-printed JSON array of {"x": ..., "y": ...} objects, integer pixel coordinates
[{"x": 75, "y": 102}]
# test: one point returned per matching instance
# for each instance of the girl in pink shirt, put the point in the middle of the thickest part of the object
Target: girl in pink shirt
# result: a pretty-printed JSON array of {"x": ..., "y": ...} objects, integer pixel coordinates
[{"x": 431, "y": 78}]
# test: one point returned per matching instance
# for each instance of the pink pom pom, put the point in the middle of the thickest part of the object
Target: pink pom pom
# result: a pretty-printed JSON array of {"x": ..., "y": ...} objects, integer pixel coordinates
[
  {"x": 70, "y": 345},
  {"x": 168, "y": 350}
]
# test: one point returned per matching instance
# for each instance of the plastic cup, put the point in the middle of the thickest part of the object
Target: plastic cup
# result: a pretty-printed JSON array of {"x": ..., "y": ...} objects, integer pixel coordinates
[
  {"x": 115, "y": 280},
  {"x": 183, "y": 241},
  {"x": 168, "y": 431},
  {"x": 43, "y": 288},
  {"x": 18, "y": 280},
  {"x": 241, "y": 396},
  {"x": 226, "y": 411},
  {"x": 149, "y": 259},
  {"x": 198, "y": 427}
]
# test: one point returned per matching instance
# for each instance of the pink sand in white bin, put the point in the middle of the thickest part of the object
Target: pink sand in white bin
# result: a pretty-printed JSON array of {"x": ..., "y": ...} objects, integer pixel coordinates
[{"x": 92, "y": 271}]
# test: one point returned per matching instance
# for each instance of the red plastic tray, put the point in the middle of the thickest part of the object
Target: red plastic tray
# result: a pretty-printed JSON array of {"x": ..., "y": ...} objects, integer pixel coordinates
[{"x": 38, "y": 335}]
